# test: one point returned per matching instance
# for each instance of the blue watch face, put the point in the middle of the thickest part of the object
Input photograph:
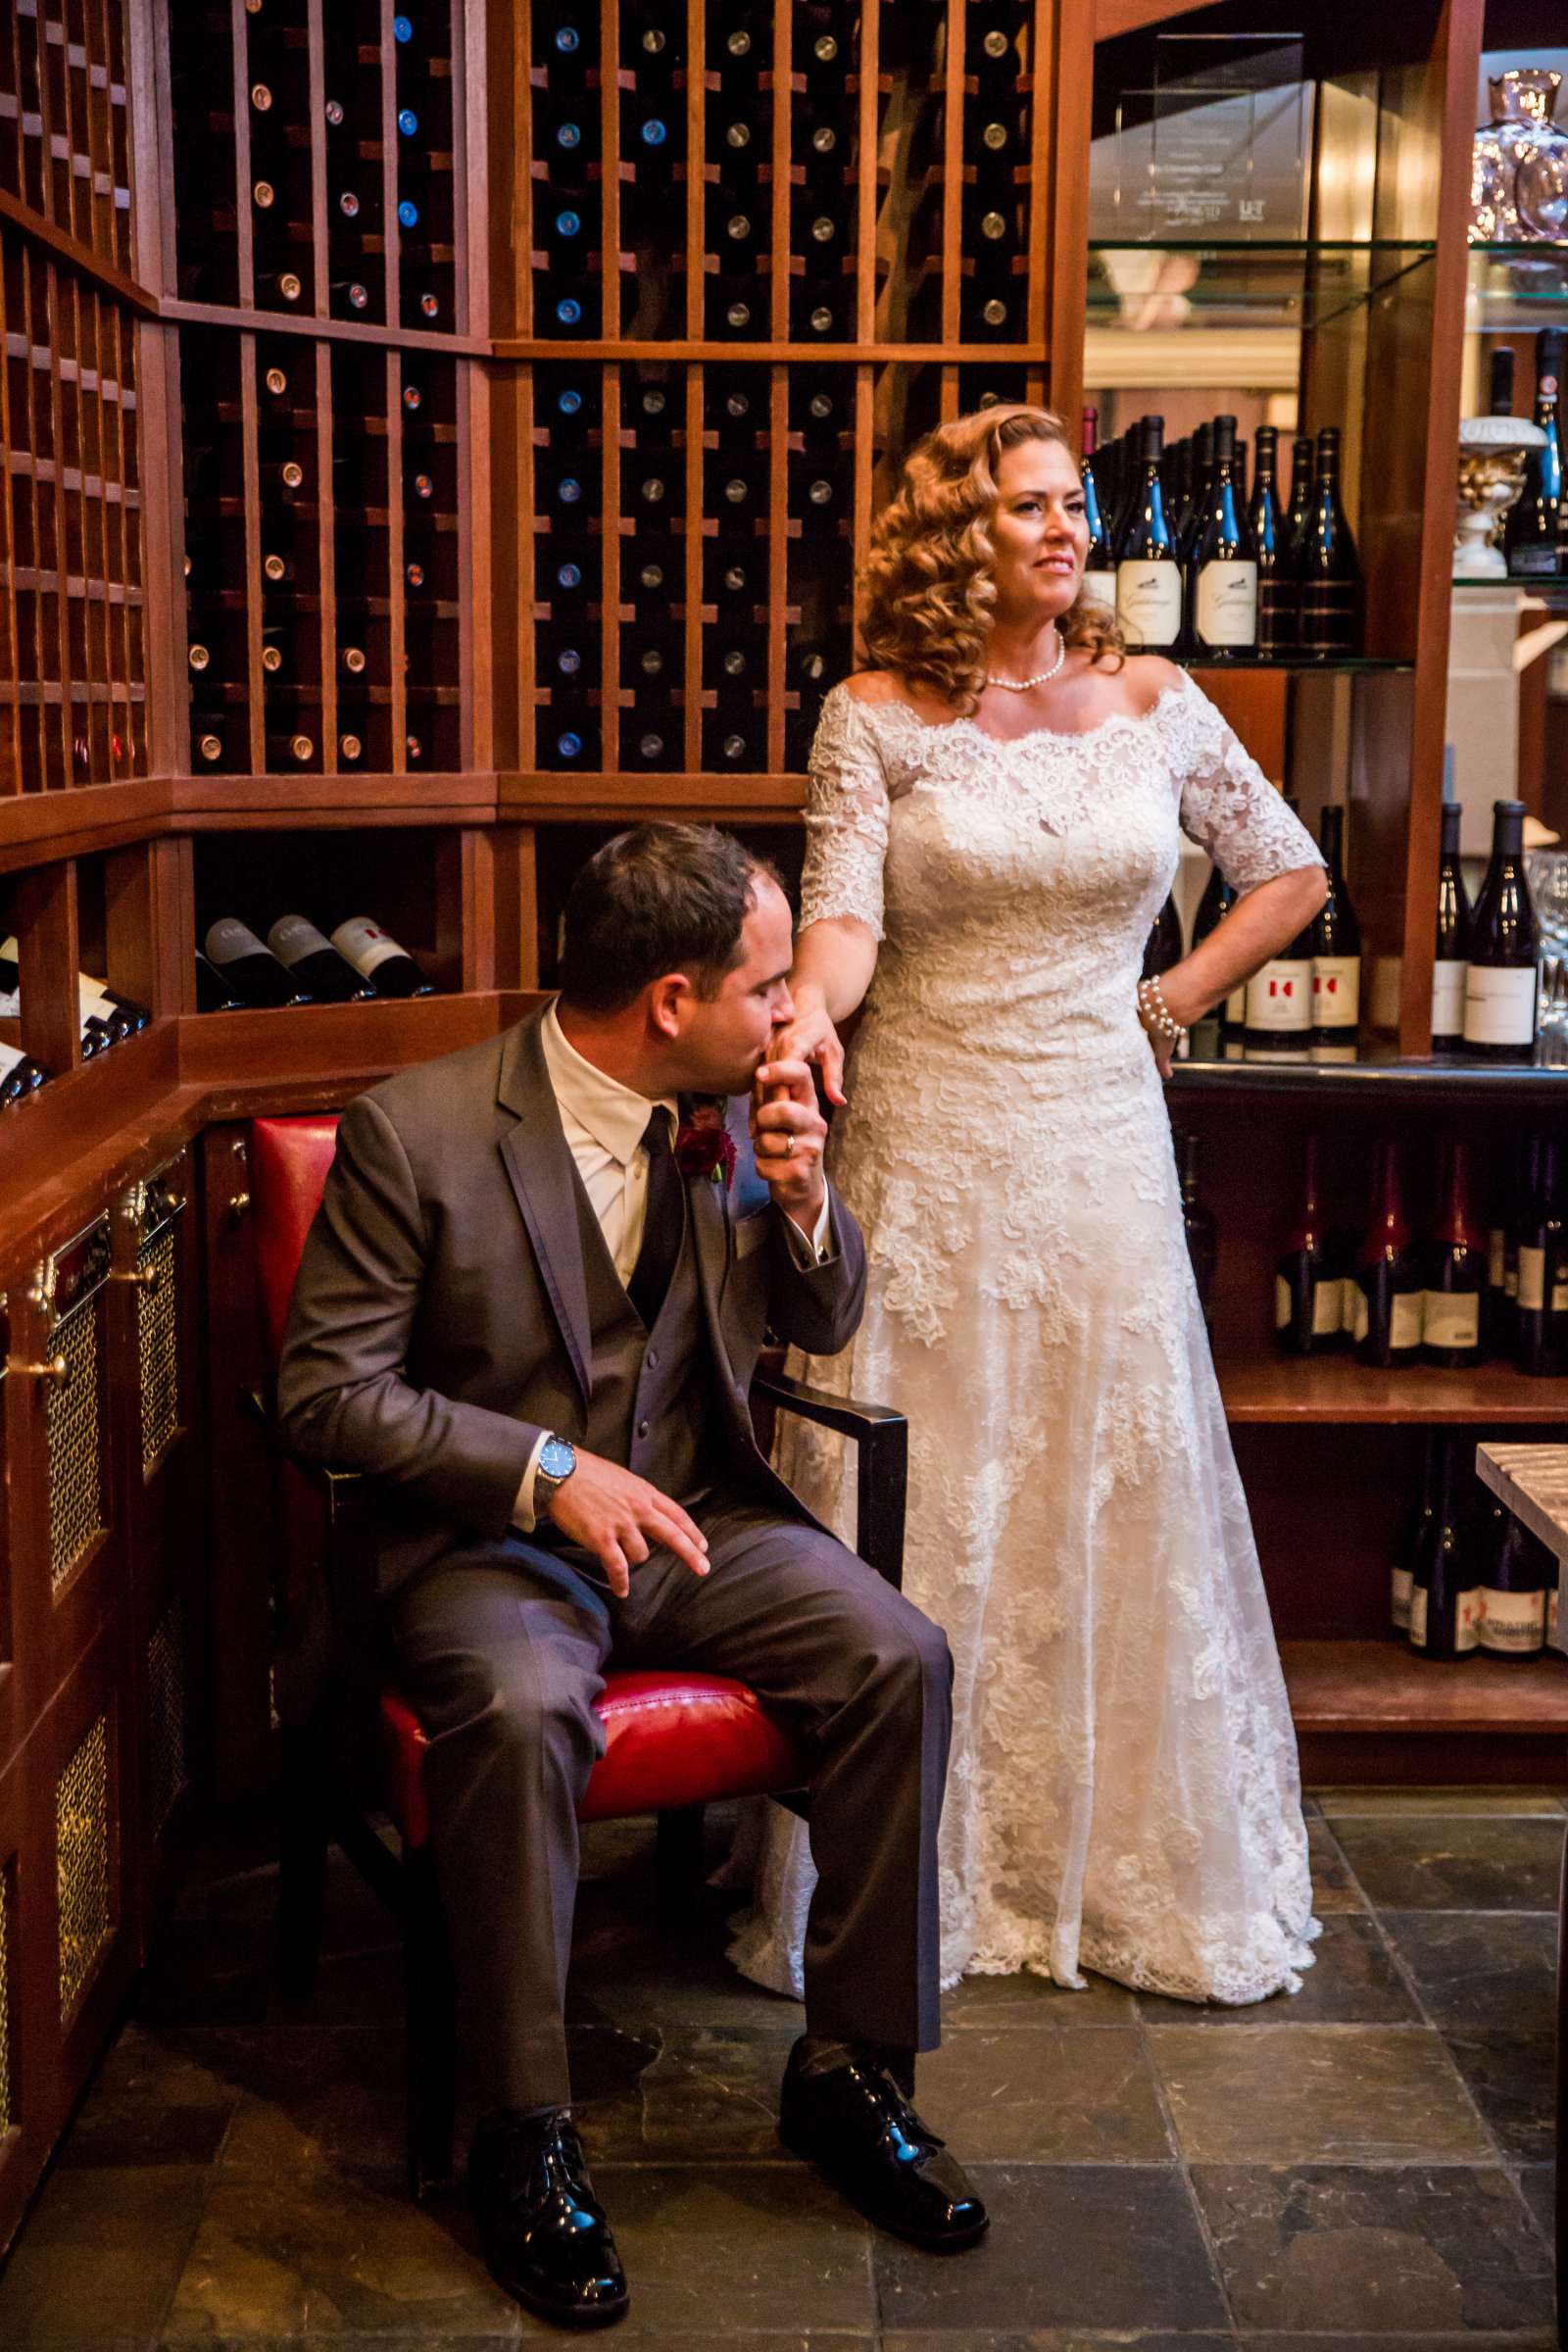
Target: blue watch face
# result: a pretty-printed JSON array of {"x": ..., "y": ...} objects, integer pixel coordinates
[{"x": 557, "y": 1458}]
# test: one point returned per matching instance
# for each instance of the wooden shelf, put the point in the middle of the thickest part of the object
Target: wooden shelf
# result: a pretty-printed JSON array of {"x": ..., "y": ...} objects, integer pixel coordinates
[
  {"x": 1297, "y": 1389},
  {"x": 1369, "y": 1687}
]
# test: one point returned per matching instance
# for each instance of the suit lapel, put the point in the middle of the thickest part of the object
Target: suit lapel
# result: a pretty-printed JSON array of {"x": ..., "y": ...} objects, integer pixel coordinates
[{"x": 539, "y": 1166}]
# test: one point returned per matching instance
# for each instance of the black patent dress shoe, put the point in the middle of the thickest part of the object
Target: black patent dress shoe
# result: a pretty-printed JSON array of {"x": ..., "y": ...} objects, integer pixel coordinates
[
  {"x": 545, "y": 2236},
  {"x": 857, "y": 2124}
]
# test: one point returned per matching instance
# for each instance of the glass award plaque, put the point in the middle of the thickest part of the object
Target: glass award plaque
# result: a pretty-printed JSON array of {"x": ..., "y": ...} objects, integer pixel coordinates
[{"x": 1216, "y": 145}]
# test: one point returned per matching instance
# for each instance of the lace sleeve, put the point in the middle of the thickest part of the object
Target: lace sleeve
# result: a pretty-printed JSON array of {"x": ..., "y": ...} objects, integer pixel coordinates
[
  {"x": 1229, "y": 807},
  {"x": 846, "y": 817}
]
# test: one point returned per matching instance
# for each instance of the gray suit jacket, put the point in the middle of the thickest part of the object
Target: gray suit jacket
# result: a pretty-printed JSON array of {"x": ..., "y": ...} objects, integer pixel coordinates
[{"x": 440, "y": 1319}]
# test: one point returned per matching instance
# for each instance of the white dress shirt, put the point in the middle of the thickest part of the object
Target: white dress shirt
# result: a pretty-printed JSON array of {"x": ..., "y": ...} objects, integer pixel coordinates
[{"x": 603, "y": 1122}]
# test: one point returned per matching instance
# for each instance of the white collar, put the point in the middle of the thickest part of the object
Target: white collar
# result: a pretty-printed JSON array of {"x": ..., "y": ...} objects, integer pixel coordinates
[{"x": 614, "y": 1114}]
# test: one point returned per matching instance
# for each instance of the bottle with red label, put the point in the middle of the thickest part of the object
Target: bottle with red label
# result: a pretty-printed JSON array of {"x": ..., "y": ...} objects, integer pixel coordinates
[
  {"x": 1335, "y": 954},
  {"x": 1279, "y": 998}
]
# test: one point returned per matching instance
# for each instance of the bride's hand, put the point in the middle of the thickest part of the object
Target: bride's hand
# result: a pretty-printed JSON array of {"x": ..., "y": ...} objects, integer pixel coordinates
[{"x": 810, "y": 1036}]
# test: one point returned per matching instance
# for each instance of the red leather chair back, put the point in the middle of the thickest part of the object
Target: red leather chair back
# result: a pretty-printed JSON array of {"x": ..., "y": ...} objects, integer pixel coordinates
[{"x": 288, "y": 1162}]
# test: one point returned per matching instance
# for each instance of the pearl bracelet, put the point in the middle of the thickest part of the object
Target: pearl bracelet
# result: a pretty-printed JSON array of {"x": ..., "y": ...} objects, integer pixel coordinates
[{"x": 1157, "y": 1017}]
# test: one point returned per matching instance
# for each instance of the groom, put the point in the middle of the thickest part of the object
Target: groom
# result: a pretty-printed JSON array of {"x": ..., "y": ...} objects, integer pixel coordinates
[{"x": 519, "y": 1316}]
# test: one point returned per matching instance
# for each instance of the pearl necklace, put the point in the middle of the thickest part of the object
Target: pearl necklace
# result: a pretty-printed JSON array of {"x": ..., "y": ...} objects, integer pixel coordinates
[{"x": 1022, "y": 685}]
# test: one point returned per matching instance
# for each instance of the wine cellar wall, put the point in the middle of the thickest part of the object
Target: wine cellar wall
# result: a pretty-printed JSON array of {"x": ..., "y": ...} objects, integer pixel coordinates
[{"x": 434, "y": 436}]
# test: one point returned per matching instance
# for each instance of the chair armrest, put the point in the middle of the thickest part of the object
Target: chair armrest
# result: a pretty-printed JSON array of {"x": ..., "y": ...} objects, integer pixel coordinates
[
  {"x": 345, "y": 1493},
  {"x": 882, "y": 1463}
]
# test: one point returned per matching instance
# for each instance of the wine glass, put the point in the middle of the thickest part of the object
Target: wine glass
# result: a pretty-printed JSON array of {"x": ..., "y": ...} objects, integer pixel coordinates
[{"x": 1547, "y": 871}]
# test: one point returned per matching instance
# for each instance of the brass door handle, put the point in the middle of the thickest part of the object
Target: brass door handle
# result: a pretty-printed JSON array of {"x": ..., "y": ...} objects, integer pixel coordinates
[
  {"x": 145, "y": 1278},
  {"x": 56, "y": 1368}
]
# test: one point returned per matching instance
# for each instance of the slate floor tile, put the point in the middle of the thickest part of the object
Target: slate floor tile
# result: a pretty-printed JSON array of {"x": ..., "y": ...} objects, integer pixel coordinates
[
  {"x": 1352, "y": 1981},
  {"x": 753, "y": 2246},
  {"x": 1334, "y": 1886},
  {"x": 1486, "y": 1862},
  {"x": 678, "y": 2094},
  {"x": 1053, "y": 2339},
  {"x": 1283, "y": 2094},
  {"x": 1495, "y": 1971},
  {"x": 1028, "y": 2000},
  {"x": 1334, "y": 1803},
  {"x": 1527, "y": 2340},
  {"x": 316, "y": 2254},
  {"x": 1511, "y": 2077},
  {"x": 99, "y": 2257},
  {"x": 1538, "y": 2187},
  {"x": 1045, "y": 2095},
  {"x": 1413, "y": 2251},
  {"x": 1082, "y": 2245},
  {"x": 312, "y": 2094}
]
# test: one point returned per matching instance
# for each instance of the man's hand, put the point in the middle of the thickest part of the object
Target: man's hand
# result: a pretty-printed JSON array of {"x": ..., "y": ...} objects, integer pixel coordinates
[
  {"x": 619, "y": 1517},
  {"x": 788, "y": 1132}
]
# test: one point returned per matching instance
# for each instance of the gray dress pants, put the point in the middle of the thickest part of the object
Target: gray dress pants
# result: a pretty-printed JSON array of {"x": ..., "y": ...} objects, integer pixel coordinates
[{"x": 502, "y": 1651}]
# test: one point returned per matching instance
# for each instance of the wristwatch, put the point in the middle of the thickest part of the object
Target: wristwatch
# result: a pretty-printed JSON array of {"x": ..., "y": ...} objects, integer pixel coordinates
[{"x": 558, "y": 1459}]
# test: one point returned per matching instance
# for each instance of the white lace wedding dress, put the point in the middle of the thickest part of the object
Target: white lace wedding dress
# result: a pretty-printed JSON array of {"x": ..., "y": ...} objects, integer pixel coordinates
[{"x": 1123, "y": 1792}]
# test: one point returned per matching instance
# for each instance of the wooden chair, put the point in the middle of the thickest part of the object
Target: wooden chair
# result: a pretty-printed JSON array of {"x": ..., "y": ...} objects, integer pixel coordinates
[{"x": 674, "y": 1743}]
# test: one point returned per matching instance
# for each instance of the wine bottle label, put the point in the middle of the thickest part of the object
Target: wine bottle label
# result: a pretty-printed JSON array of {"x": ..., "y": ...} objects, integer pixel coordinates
[
  {"x": 1280, "y": 996},
  {"x": 1532, "y": 1279},
  {"x": 1227, "y": 603},
  {"x": 1559, "y": 1297},
  {"x": 10, "y": 1056},
  {"x": 1360, "y": 1320},
  {"x": 1236, "y": 1006},
  {"x": 1496, "y": 1258},
  {"x": 1513, "y": 1622},
  {"x": 1098, "y": 588},
  {"x": 1282, "y": 1302},
  {"x": 291, "y": 938},
  {"x": 364, "y": 944},
  {"x": 1510, "y": 1278},
  {"x": 1500, "y": 1005},
  {"x": 1551, "y": 1617},
  {"x": 1400, "y": 1585},
  {"x": 1328, "y": 1307},
  {"x": 1407, "y": 1315},
  {"x": 1336, "y": 992},
  {"x": 1418, "y": 1617},
  {"x": 1447, "y": 998},
  {"x": 1149, "y": 603},
  {"x": 1451, "y": 1319},
  {"x": 228, "y": 940},
  {"x": 1467, "y": 1619},
  {"x": 1534, "y": 559}
]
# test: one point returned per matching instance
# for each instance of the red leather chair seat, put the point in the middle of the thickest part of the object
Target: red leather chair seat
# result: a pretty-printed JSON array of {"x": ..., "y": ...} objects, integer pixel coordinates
[{"x": 670, "y": 1740}]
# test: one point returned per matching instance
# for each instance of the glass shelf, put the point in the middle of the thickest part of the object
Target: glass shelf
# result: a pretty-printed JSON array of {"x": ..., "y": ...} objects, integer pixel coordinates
[
  {"x": 1516, "y": 286},
  {"x": 1298, "y": 285}
]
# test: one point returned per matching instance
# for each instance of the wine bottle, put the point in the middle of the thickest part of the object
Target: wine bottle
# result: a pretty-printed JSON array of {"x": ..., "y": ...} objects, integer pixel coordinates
[
  {"x": 1099, "y": 584},
  {"x": 1279, "y": 996},
  {"x": 1309, "y": 1317},
  {"x": 248, "y": 968},
  {"x": 1531, "y": 532},
  {"x": 1444, "y": 1598},
  {"x": 1452, "y": 949},
  {"x": 1149, "y": 580},
  {"x": 20, "y": 1076},
  {"x": 1198, "y": 1223},
  {"x": 1336, "y": 949},
  {"x": 1163, "y": 948},
  {"x": 1224, "y": 563},
  {"x": 1298, "y": 508},
  {"x": 1327, "y": 572},
  {"x": 378, "y": 957},
  {"x": 1503, "y": 1262},
  {"x": 1401, "y": 1576},
  {"x": 213, "y": 991},
  {"x": 1539, "y": 1244},
  {"x": 1192, "y": 490},
  {"x": 1500, "y": 381},
  {"x": 1500, "y": 974},
  {"x": 1455, "y": 1272},
  {"x": 313, "y": 963},
  {"x": 1212, "y": 908},
  {"x": 1276, "y": 589},
  {"x": 1389, "y": 1298},
  {"x": 1516, "y": 1575}
]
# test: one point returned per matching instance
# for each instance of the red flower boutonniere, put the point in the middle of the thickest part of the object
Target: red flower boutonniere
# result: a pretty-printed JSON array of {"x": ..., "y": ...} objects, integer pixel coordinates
[{"x": 705, "y": 1146}]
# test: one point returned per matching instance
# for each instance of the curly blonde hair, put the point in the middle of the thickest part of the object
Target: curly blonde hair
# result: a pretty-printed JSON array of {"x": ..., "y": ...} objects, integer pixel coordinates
[{"x": 927, "y": 576}]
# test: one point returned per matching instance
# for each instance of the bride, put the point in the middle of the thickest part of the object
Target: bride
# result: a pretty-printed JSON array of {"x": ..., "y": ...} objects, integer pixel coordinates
[{"x": 993, "y": 814}]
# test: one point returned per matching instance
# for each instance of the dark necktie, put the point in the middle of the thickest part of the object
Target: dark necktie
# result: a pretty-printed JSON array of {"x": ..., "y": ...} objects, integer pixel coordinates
[{"x": 663, "y": 1224}]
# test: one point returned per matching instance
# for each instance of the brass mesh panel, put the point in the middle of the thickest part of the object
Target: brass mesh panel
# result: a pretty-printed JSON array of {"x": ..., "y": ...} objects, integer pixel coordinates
[
  {"x": 166, "y": 1716},
  {"x": 75, "y": 1466},
  {"x": 81, "y": 1835},
  {"x": 156, "y": 1348},
  {"x": 6, "y": 2117}
]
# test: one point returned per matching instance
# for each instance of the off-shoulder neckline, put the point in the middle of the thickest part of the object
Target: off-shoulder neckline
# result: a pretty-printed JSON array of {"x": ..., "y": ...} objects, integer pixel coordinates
[{"x": 949, "y": 727}]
